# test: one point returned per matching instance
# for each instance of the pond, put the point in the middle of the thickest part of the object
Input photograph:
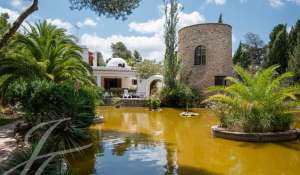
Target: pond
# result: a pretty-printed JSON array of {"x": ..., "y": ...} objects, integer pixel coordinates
[{"x": 135, "y": 141}]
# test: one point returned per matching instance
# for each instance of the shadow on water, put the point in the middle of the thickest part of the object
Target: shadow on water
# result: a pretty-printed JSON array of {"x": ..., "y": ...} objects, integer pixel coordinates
[
  {"x": 126, "y": 153},
  {"x": 291, "y": 145}
]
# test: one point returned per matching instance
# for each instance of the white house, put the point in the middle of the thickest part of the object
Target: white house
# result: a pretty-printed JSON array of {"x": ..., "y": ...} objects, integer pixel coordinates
[{"x": 118, "y": 74}]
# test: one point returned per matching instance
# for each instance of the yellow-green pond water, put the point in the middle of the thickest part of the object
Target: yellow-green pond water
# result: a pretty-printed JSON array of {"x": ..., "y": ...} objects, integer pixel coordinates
[{"x": 135, "y": 141}]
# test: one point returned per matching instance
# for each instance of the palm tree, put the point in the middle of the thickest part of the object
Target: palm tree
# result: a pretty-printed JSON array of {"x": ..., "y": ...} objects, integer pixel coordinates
[
  {"x": 256, "y": 103},
  {"x": 47, "y": 52}
]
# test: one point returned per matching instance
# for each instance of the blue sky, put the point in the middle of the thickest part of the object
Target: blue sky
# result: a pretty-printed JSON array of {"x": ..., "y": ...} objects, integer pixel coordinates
[{"x": 143, "y": 29}]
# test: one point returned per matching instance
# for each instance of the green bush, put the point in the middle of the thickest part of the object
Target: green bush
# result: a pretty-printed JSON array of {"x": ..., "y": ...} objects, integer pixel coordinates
[
  {"x": 45, "y": 101},
  {"x": 153, "y": 103},
  {"x": 180, "y": 96},
  {"x": 116, "y": 92},
  {"x": 256, "y": 103}
]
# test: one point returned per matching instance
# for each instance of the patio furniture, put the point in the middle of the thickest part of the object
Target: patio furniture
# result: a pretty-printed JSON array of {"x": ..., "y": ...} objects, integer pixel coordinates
[{"x": 126, "y": 94}]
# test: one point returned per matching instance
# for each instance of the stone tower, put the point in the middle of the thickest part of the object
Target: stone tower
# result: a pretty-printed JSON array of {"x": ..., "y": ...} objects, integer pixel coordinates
[{"x": 205, "y": 51}]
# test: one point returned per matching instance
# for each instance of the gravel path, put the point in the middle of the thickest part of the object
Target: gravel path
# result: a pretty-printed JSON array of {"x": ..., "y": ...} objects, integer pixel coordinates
[{"x": 7, "y": 140}]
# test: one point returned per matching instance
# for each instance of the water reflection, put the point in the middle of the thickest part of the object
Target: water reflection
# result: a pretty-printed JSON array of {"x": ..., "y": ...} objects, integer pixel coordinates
[{"x": 136, "y": 141}]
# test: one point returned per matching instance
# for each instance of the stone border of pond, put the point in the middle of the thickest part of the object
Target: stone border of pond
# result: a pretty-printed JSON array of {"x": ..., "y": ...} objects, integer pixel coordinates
[
  {"x": 125, "y": 102},
  {"x": 289, "y": 135}
]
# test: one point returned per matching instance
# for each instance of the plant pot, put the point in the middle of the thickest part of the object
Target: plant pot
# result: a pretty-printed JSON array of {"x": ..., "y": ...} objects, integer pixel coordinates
[{"x": 289, "y": 135}]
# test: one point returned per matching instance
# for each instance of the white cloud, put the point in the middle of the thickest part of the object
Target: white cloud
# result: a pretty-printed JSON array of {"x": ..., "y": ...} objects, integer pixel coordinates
[
  {"x": 276, "y": 3},
  {"x": 156, "y": 26},
  {"x": 280, "y": 3},
  {"x": 16, "y": 3},
  {"x": 152, "y": 26},
  {"x": 295, "y": 1},
  {"x": 217, "y": 2},
  {"x": 150, "y": 47},
  {"x": 13, "y": 15},
  {"x": 61, "y": 24},
  {"x": 88, "y": 22}
]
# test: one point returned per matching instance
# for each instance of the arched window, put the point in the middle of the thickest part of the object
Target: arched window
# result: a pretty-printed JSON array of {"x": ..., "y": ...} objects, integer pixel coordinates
[{"x": 200, "y": 55}]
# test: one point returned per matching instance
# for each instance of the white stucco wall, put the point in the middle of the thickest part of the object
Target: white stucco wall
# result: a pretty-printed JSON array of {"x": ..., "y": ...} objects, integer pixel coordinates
[
  {"x": 143, "y": 87},
  {"x": 127, "y": 75}
]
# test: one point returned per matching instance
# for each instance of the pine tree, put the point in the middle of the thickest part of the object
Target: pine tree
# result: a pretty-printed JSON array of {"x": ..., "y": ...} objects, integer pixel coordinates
[
  {"x": 241, "y": 57},
  {"x": 237, "y": 55},
  {"x": 294, "y": 62},
  {"x": 220, "y": 18},
  {"x": 278, "y": 48},
  {"x": 293, "y": 36}
]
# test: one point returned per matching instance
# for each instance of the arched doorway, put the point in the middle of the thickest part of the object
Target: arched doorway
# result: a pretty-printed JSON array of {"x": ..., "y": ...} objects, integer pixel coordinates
[
  {"x": 154, "y": 84},
  {"x": 146, "y": 87},
  {"x": 155, "y": 87}
]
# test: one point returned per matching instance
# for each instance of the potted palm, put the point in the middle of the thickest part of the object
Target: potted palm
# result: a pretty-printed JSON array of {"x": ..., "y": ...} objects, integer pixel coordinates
[{"x": 255, "y": 107}]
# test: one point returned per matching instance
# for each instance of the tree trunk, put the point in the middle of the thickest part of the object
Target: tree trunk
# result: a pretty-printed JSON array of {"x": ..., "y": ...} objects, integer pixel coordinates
[
  {"x": 16, "y": 25},
  {"x": 187, "y": 107}
]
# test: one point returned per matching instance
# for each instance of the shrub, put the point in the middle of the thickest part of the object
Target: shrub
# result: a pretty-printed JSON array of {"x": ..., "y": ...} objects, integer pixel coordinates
[
  {"x": 180, "y": 96},
  {"x": 256, "y": 103},
  {"x": 44, "y": 101},
  {"x": 116, "y": 92},
  {"x": 153, "y": 103}
]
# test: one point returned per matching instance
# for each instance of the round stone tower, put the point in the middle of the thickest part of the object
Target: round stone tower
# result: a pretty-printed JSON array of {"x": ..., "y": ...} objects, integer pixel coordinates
[{"x": 205, "y": 51}]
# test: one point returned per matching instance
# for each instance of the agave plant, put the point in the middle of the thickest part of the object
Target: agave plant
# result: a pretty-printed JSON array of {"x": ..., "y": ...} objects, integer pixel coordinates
[
  {"x": 47, "y": 52},
  {"x": 259, "y": 102}
]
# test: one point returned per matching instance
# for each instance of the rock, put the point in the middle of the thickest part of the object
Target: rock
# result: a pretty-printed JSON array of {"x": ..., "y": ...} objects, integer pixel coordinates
[
  {"x": 99, "y": 119},
  {"x": 189, "y": 114}
]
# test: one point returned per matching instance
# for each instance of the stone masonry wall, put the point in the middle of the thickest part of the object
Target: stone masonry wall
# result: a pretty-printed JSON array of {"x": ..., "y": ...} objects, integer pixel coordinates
[{"x": 217, "y": 38}]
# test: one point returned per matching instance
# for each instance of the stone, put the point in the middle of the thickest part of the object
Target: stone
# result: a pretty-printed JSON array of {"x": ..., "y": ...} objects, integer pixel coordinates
[
  {"x": 217, "y": 39},
  {"x": 288, "y": 135}
]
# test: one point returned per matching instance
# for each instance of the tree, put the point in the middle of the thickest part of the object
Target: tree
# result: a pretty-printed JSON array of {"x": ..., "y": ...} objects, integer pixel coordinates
[
  {"x": 171, "y": 63},
  {"x": 147, "y": 68},
  {"x": 255, "y": 47},
  {"x": 108, "y": 8},
  {"x": 294, "y": 62},
  {"x": 16, "y": 25},
  {"x": 137, "y": 56},
  {"x": 48, "y": 53},
  {"x": 278, "y": 48},
  {"x": 220, "y": 18},
  {"x": 100, "y": 60},
  {"x": 293, "y": 36},
  {"x": 4, "y": 25},
  {"x": 241, "y": 57},
  {"x": 119, "y": 50}
]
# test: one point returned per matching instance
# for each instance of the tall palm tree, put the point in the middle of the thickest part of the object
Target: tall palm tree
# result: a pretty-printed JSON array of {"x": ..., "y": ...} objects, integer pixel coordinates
[
  {"x": 47, "y": 52},
  {"x": 259, "y": 102}
]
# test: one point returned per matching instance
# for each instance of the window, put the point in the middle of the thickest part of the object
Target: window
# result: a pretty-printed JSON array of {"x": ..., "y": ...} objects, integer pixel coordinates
[
  {"x": 200, "y": 55},
  {"x": 220, "y": 81},
  {"x": 134, "y": 82}
]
